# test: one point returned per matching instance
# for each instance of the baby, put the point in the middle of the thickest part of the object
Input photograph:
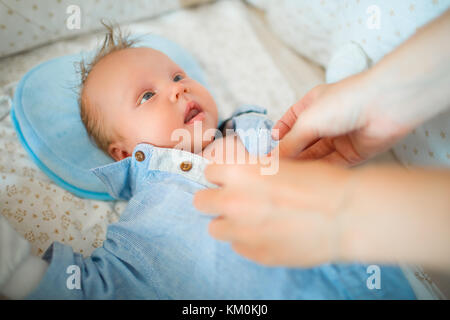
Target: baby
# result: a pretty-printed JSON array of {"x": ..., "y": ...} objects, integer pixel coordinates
[
  {"x": 132, "y": 100},
  {"x": 139, "y": 95}
]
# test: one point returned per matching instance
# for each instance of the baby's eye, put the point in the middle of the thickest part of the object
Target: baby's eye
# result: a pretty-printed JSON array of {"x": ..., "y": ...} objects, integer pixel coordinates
[
  {"x": 147, "y": 96},
  {"x": 177, "y": 78}
]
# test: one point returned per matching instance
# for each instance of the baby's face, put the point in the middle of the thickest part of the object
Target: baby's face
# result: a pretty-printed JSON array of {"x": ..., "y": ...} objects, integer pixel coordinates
[{"x": 143, "y": 96}]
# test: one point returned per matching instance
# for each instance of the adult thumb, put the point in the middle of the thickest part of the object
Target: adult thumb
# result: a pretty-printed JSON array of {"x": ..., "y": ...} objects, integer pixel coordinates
[
  {"x": 304, "y": 133},
  {"x": 322, "y": 119}
]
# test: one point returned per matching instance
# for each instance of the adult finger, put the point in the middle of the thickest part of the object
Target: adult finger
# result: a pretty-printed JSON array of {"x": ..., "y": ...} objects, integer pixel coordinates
[
  {"x": 345, "y": 152},
  {"x": 226, "y": 229},
  {"x": 335, "y": 158},
  {"x": 231, "y": 174},
  {"x": 215, "y": 173},
  {"x": 223, "y": 229},
  {"x": 319, "y": 121},
  {"x": 209, "y": 201},
  {"x": 287, "y": 121},
  {"x": 318, "y": 150},
  {"x": 283, "y": 125},
  {"x": 296, "y": 140},
  {"x": 249, "y": 208},
  {"x": 253, "y": 252}
]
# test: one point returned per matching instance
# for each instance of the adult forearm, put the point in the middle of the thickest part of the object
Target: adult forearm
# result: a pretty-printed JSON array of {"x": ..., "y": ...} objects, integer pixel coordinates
[
  {"x": 411, "y": 84},
  {"x": 397, "y": 215}
]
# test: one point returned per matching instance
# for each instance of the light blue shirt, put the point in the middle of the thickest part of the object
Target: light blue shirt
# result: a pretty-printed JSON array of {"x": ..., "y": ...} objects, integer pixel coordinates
[{"x": 161, "y": 249}]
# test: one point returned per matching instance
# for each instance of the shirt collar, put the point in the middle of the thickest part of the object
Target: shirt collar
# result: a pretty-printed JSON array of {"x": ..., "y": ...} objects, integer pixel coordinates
[{"x": 123, "y": 178}]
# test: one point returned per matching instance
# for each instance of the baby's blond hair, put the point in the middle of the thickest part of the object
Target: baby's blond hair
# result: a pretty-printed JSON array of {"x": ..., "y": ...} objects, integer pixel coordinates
[{"x": 114, "y": 40}]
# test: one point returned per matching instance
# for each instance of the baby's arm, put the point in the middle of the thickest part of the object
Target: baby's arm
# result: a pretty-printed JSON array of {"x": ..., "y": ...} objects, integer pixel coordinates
[
  {"x": 20, "y": 271},
  {"x": 114, "y": 271}
]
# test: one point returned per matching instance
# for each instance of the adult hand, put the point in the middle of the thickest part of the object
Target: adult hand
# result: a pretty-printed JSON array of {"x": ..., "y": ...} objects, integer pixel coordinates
[
  {"x": 283, "y": 219},
  {"x": 339, "y": 123},
  {"x": 312, "y": 212},
  {"x": 351, "y": 120}
]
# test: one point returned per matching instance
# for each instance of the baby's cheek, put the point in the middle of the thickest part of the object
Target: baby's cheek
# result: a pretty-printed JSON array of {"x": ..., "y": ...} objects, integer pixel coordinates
[
  {"x": 152, "y": 131},
  {"x": 170, "y": 133}
]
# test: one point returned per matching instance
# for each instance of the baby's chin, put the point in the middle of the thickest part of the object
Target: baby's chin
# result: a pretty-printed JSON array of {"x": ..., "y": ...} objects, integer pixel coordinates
[
  {"x": 200, "y": 132},
  {"x": 193, "y": 146},
  {"x": 199, "y": 143},
  {"x": 195, "y": 137}
]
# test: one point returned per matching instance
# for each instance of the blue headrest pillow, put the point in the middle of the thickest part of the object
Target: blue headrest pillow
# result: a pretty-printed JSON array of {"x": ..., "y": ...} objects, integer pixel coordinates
[{"x": 46, "y": 116}]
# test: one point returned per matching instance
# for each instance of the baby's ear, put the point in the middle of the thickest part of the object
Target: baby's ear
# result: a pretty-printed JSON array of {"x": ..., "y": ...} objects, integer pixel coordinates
[{"x": 117, "y": 152}]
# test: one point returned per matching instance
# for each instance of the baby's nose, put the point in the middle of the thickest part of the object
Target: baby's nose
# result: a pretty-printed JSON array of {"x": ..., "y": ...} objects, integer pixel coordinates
[{"x": 177, "y": 91}]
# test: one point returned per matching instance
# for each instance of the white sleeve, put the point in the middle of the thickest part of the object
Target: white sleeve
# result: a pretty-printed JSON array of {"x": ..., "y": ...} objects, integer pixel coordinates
[
  {"x": 20, "y": 271},
  {"x": 348, "y": 60}
]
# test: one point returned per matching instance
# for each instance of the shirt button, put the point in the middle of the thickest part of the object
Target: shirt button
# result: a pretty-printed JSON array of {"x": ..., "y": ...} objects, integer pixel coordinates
[
  {"x": 186, "y": 165},
  {"x": 140, "y": 156}
]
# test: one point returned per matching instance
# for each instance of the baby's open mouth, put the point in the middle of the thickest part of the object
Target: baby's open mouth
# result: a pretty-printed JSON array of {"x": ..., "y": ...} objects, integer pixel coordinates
[{"x": 193, "y": 113}]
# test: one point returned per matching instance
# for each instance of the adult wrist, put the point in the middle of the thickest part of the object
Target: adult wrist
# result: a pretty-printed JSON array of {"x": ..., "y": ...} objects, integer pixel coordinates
[
  {"x": 342, "y": 234},
  {"x": 360, "y": 94},
  {"x": 378, "y": 208},
  {"x": 403, "y": 97},
  {"x": 381, "y": 106},
  {"x": 366, "y": 95}
]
